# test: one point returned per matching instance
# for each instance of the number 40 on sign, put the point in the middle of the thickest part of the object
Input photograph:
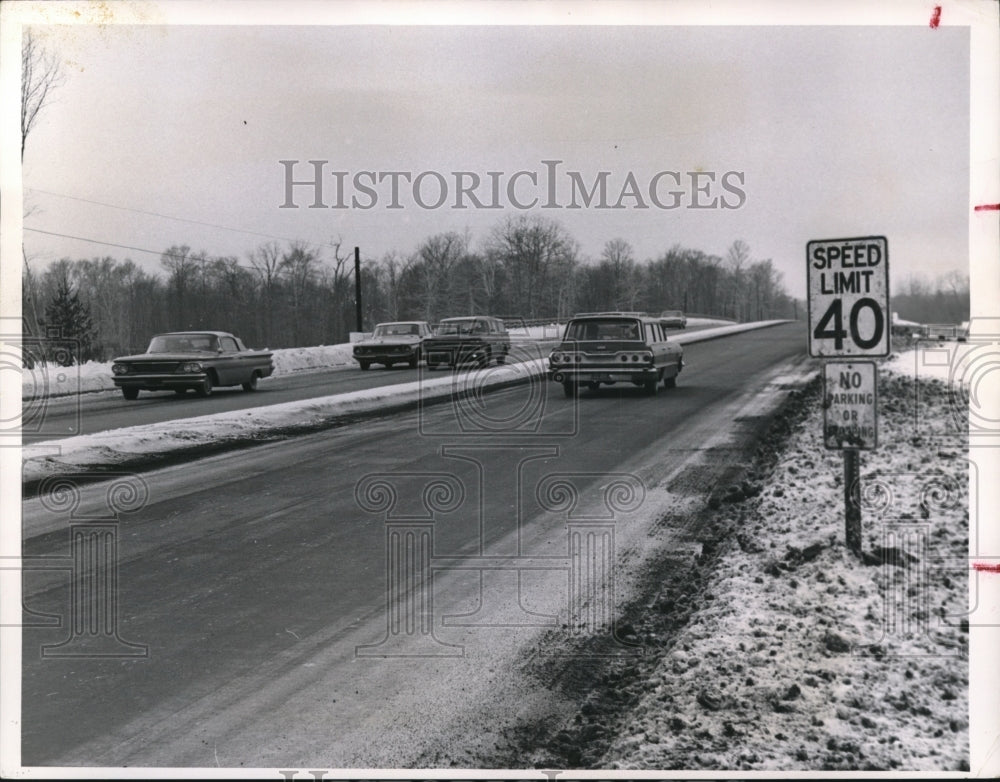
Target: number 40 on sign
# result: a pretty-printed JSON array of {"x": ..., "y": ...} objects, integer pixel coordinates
[{"x": 848, "y": 297}]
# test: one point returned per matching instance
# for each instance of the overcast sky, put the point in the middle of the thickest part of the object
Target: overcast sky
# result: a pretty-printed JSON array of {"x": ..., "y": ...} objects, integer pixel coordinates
[{"x": 831, "y": 132}]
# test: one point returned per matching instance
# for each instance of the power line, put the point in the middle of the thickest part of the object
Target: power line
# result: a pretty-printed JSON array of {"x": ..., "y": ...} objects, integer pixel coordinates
[
  {"x": 170, "y": 217},
  {"x": 93, "y": 241},
  {"x": 159, "y": 253}
]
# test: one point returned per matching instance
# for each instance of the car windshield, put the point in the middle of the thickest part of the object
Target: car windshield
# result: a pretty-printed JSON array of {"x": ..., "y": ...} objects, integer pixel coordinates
[
  {"x": 183, "y": 343},
  {"x": 459, "y": 327},
  {"x": 602, "y": 329},
  {"x": 396, "y": 329}
]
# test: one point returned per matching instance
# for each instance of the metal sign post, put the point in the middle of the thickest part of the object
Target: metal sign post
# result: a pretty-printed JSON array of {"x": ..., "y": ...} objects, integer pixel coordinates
[
  {"x": 848, "y": 281},
  {"x": 357, "y": 288},
  {"x": 852, "y": 500}
]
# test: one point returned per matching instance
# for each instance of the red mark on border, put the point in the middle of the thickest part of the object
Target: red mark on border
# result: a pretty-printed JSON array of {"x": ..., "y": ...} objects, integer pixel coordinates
[
  {"x": 936, "y": 17},
  {"x": 986, "y": 567},
  {"x": 987, "y": 208}
]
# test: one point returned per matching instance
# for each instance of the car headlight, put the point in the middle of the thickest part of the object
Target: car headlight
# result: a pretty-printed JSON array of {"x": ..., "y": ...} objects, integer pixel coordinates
[
  {"x": 191, "y": 366},
  {"x": 119, "y": 369}
]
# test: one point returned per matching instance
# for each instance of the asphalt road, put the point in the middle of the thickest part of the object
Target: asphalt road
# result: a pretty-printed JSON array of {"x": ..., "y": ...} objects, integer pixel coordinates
[{"x": 254, "y": 587}]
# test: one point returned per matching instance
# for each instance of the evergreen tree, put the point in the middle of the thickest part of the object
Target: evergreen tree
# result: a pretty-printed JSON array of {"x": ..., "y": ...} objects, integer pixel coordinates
[{"x": 70, "y": 318}]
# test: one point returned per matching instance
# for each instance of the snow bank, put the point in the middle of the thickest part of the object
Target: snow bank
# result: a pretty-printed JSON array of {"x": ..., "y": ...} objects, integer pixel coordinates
[
  {"x": 949, "y": 362},
  {"x": 117, "y": 446}
]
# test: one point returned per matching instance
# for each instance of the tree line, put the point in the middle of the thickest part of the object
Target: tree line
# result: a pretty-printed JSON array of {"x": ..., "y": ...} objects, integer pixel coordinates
[
  {"x": 945, "y": 300},
  {"x": 296, "y": 294}
]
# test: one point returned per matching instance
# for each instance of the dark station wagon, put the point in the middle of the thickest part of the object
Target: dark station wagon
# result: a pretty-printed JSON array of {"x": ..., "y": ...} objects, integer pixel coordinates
[
  {"x": 475, "y": 339},
  {"x": 605, "y": 348}
]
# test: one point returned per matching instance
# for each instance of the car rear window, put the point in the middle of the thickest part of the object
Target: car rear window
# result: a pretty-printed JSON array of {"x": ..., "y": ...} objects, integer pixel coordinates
[
  {"x": 455, "y": 327},
  {"x": 602, "y": 329}
]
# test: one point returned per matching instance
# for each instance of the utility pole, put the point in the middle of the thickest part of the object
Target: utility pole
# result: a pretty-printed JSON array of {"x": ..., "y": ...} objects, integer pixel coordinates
[{"x": 357, "y": 287}]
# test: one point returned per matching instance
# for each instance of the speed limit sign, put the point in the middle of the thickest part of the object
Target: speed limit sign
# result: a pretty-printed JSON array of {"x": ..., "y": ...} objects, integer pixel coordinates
[{"x": 848, "y": 297}]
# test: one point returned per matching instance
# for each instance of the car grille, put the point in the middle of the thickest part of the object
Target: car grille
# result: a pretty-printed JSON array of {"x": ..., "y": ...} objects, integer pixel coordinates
[{"x": 142, "y": 367}]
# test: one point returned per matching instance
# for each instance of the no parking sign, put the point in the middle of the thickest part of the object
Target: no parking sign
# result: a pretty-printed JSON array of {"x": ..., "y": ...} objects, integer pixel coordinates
[{"x": 850, "y": 413}]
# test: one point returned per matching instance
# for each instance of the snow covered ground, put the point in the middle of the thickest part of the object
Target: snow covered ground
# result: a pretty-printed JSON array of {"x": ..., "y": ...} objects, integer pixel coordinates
[{"x": 797, "y": 655}]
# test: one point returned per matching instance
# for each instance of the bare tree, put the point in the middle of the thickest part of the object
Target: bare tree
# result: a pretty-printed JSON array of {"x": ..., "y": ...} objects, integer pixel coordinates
[
  {"x": 536, "y": 254},
  {"x": 737, "y": 257},
  {"x": 41, "y": 73},
  {"x": 394, "y": 268},
  {"x": 300, "y": 266},
  {"x": 337, "y": 279},
  {"x": 618, "y": 257},
  {"x": 266, "y": 262},
  {"x": 182, "y": 265},
  {"x": 435, "y": 260}
]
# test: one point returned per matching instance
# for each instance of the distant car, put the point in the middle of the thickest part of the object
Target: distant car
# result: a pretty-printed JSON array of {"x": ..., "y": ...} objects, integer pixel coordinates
[
  {"x": 199, "y": 360},
  {"x": 607, "y": 348},
  {"x": 942, "y": 331},
  {"x": 476, "y": 339},
  {"x": 393, "y": 343},
  {"x": 673, "y": 319}
]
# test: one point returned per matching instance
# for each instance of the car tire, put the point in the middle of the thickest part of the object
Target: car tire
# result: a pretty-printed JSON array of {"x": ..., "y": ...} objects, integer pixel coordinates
[
  {"x": 364, "y": 365},
  {"x": 413, "y": 362},
  {"x": 671, "y": 382},
  {"x": 652, "y": 386},
  {"x": 205, "y": 389},
  {"x": 130, "y": 393},
  {"x": 251, "y": 384},
  {"x": 387, "y": 365},
  {"x": 569, "y": 389}
]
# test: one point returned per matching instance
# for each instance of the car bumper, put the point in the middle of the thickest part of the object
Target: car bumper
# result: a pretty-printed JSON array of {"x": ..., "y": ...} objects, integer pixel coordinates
[
  {"x": 602, "y": 374},
  {"x": 380, "y": 358},
  {"x": 455, "y": 355},
  {"x": 160, "y": 382}
]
